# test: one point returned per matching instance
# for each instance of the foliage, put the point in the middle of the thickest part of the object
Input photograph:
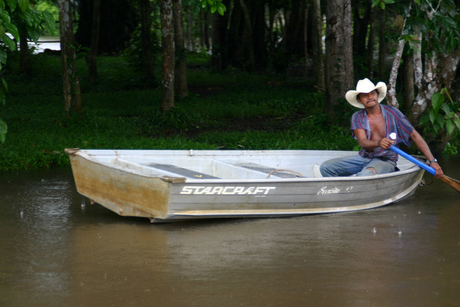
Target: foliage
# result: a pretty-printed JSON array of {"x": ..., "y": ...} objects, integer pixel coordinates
[
  {"x": 441, "y": 115},
  {"x": 248, "y": 111},
  {"x": 438, "y": 21},
  {"x": 211, "y": 5},
  {"x": 133, "y": 51},
  {"x": 15, "y": 16}
]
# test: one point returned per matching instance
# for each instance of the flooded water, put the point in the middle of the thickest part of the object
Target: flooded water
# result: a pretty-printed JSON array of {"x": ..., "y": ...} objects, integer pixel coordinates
[{"x": 56, "y": 249}]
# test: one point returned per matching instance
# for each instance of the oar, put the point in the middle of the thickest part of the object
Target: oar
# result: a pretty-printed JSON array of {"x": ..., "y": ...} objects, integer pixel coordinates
[{"x": 450, "y": 181}]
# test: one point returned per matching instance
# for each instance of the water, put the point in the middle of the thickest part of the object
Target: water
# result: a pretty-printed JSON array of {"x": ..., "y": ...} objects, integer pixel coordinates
[{"x": 56, "y": 249}]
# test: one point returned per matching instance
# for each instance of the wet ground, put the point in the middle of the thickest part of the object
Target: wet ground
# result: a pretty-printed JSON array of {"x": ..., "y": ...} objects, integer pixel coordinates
[{"x": 56, "y": 249}]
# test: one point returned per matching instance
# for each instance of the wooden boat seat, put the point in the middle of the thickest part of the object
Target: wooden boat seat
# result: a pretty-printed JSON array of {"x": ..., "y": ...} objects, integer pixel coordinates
[{"x": 184, "y": 172}]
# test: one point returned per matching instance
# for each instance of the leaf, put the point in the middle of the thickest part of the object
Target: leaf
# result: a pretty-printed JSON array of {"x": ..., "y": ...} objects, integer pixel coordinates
[
  {"x": 456, "y": 120},
  {"x": 375, "y": 3},
  {"x": 424, "y": 119},
  {"x": 382, "y": 5},
  {"x": 446, "y": 108},
  {"x": 450, "y": 126},
  {"x": 49, "y": 21},
  {"x": 28, "y": 18},
  {"x": 34, "y": 33},
  {"x": 11, "y": 4},
  {"x": 213, "y": 9},
  {"x": 221, "y": 8},
  {"x": 5, "y": 16},
  {"x": 5, "y": 85},
  {"x": 440, "y": 120},
  {"x": 3, "y": 131},
  {"x": 2, "y": 98},
  {"x": 13, "y": 30},
  {"x": 399, "y": 22},
  {"x": 437, "y": 100},
  {"x": 23, "y": 5},
  {"x": 432, "y": 114},
  {"x": 9, "y": 42},
  {"x": 3, "y": 56}
]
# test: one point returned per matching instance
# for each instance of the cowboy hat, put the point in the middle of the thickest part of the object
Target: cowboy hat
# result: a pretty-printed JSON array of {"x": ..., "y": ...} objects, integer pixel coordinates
[{"x": 365, "y": 86}]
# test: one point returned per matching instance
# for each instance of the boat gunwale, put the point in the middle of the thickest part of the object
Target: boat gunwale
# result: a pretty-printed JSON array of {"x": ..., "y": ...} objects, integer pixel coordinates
[{"x": 86, "y": 154}]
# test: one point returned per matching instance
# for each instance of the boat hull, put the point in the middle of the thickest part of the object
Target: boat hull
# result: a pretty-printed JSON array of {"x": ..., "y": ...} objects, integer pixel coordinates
[{"x": 133, "y": 189}]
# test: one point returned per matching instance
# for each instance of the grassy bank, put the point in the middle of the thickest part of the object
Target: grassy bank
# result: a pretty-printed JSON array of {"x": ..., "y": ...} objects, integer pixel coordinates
[{"x": 231, "y": 110}]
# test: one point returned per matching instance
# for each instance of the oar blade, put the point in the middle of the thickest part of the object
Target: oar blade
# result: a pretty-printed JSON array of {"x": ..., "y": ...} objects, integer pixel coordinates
[{"x": 454, "y": 183}]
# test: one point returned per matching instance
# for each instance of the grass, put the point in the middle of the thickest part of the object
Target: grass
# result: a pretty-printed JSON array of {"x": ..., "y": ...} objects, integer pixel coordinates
[{"x": 231, "y": 110}]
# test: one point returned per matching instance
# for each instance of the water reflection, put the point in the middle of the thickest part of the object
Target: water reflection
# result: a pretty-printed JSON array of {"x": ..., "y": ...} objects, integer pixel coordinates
[{"x": 58, "y": 253}]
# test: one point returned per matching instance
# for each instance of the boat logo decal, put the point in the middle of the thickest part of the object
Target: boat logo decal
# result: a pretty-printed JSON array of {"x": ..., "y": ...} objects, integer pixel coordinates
[
  {"x": 332, "y": 190},
  {"x": 225, "y": 190}
]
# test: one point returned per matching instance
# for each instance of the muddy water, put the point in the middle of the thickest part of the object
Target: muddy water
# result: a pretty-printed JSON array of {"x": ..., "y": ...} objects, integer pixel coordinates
[{"x": 58, "y": 250}]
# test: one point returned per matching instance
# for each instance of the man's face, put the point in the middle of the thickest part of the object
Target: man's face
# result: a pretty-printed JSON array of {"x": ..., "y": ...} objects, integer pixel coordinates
[{"x": 368, "y": 99}]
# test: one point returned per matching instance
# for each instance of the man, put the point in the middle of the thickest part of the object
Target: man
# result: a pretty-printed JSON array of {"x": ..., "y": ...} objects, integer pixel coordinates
[{"x": 372, "y": 127}]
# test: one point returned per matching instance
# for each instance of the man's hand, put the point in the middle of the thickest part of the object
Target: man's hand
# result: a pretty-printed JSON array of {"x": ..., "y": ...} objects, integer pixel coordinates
[
  {"x": 439, "y": 172},
  {"x": 385, "y": 143}
]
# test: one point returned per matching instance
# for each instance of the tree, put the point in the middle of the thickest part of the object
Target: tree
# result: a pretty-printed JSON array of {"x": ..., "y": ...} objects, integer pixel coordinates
[
  {"x": 167, "y": 45},
  {"x": 147, "y": 58},
  {"x": 180, "y": 74},
  {"x": 317, "y": 36},
  {"x": 92, "y": 54},
  {"x": 71, "y": 81},
  {"x": 430, "y": 28},
  {"x": 339, "y": 63}
]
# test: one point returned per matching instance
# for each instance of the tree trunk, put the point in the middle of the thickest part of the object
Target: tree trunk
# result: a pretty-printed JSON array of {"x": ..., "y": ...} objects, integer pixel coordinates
[
  {"x": 217, "y": 43},
  {"x": 147, "y": 58},
  {"x": 382, "y": 45},
  {"x": 360, "y": 26},
  {"x": 180, "y": 75},
  {"x": 339, "y": 59},
  {"x": 408, "y": 82},
  {"x": 168, "y": 55},
  {"x": 391, "y": 94},
  {"x": 370, "y": 46},
  {"x": 71, "y": 82},
  {"x": 189, "y": 31},
  {"x": 91, "y": 59},
  {"x": 24, "y": 54},
  {"x": 247, "y": 36},
  {"x": 317, "y": 36}
]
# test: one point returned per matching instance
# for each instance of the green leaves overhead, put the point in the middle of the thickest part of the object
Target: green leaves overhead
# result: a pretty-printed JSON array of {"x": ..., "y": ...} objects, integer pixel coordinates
[
  {"x": 442, "y": 115},
  {"x": 211, "y": 5}
]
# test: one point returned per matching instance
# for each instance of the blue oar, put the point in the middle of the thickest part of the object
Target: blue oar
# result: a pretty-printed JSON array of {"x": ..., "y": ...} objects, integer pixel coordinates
[
  {"x": 428, "y": 168},
  {"x": 454, "y": 183}
]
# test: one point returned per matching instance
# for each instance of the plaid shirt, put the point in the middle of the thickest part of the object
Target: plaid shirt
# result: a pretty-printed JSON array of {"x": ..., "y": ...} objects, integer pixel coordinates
[{"x": 395, "y": 121}]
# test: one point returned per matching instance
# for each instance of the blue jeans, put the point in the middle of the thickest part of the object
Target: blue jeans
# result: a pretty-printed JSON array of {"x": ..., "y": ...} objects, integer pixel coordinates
[{"x": 350, "y": 165}]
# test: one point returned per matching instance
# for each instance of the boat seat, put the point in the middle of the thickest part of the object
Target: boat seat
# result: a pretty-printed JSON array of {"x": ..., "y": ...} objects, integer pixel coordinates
[
  {"x": 273, "y": 172},
  {"x": 184, "y": 172}
]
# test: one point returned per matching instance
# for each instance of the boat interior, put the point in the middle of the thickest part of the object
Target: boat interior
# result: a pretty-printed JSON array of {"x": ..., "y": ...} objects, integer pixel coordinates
[{"x": 208, "y": 165}]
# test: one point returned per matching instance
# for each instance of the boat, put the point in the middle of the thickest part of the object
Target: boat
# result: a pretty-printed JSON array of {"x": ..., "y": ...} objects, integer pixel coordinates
[{"x": 177, "y": 185}]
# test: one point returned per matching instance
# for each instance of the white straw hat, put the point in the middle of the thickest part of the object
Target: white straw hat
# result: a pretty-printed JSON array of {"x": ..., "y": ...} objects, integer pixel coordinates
[{"x": 366, "y": 86}]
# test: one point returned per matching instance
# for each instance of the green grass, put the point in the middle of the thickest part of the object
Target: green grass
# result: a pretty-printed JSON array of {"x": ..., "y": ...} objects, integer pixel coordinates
[{"x": 231, "y": 110}]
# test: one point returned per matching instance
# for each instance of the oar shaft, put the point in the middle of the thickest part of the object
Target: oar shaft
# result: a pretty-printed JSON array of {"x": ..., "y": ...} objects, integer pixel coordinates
[{"x": 429, "y": 169}]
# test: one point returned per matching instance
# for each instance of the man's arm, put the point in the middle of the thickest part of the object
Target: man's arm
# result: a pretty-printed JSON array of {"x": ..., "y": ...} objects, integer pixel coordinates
[
  {"x": 369, "y": 145},
  {"x": 423, "y": 146}
]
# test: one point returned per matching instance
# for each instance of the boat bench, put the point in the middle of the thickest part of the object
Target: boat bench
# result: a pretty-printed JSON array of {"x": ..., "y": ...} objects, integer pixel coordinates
[
  {"x": 176, "y": 170},
  {"x": 251, "y": 170}
]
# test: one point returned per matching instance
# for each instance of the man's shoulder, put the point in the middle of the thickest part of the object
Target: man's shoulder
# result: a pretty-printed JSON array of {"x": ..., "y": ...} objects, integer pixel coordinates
[{"x": 392, "y": 109}]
